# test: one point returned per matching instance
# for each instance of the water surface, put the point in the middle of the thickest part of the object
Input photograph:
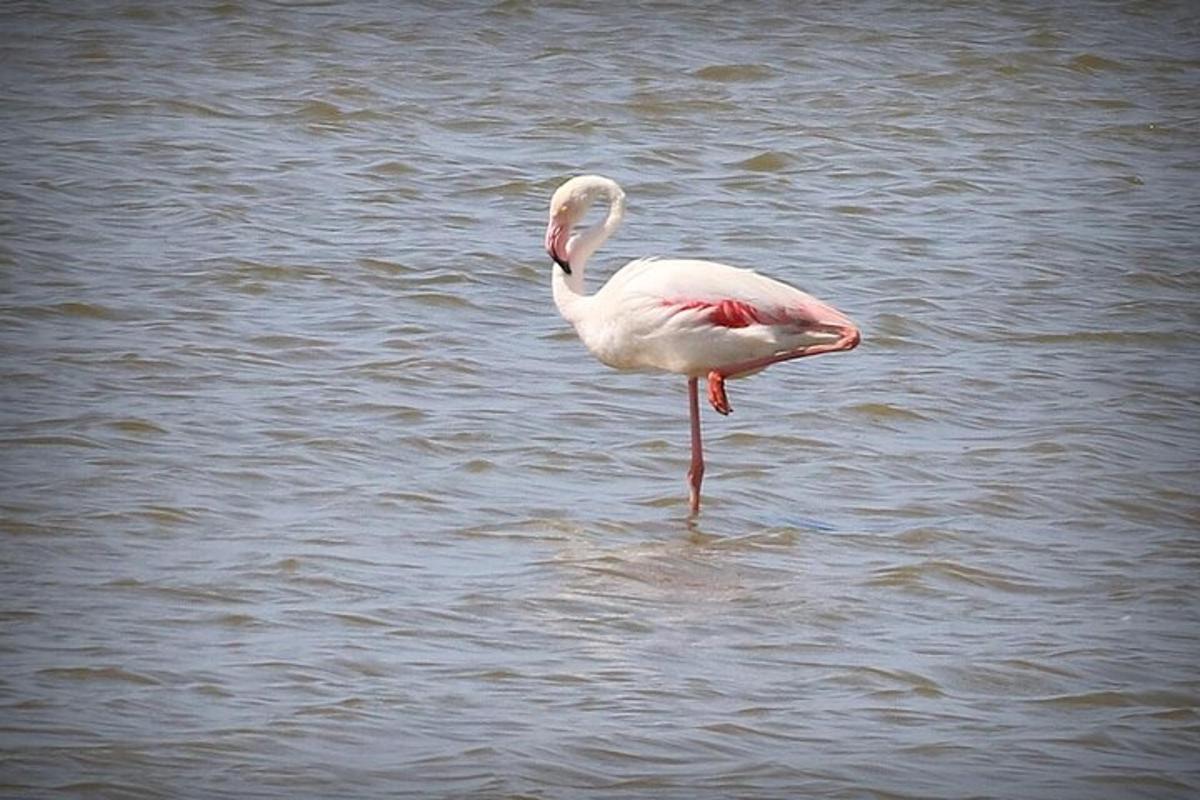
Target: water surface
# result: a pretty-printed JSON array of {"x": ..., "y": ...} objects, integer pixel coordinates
[{"x": 306, "y": 489}]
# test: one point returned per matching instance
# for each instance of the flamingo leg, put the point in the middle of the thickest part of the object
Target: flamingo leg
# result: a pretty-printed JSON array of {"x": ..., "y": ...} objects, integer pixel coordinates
[
  {"x": 848, "y": 339},
  {"x": 716, "y": 393},
  {"x": 696, "y": 470}
]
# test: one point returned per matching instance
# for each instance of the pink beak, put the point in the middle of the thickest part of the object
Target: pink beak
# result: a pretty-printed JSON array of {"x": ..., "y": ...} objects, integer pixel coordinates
[{"x": 556, "y": 243}]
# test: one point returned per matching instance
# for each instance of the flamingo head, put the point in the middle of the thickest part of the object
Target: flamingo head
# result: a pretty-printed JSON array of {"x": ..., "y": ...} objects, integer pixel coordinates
[{"x": 568, "y": 207}]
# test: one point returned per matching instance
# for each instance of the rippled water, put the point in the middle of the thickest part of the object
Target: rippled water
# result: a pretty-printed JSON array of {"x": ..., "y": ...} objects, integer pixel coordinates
[{"x": 307, "y": 491}]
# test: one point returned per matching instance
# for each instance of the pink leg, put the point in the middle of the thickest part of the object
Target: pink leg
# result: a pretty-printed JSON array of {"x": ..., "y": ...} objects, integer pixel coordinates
[
  {"x": 696, "y": 471},
  {"x": 848, "y": 339},
  {"x": 716, "y": 393}
]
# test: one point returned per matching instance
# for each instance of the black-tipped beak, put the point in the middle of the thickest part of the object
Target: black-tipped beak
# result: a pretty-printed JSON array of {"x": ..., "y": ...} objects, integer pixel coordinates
[{"x": 557, "y": 234}]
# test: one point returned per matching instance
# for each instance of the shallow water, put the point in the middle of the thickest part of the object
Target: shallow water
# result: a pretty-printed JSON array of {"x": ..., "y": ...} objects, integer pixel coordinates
[{"x": 306, "y": 489}]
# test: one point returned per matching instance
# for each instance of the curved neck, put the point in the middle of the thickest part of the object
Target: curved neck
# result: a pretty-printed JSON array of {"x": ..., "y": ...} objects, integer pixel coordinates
[
  {"x": 569, "y": 289},
  {"x": 581, "y": 247}
]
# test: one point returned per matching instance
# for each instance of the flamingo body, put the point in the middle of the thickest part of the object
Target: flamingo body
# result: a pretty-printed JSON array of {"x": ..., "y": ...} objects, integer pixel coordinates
[
  {"x": 691, "y": 317},
  {"x": 687, "y": 316}
]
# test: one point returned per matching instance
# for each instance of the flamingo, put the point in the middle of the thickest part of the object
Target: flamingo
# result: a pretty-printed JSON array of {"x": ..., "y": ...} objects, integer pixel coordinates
[{"x": 691, "y": 317}]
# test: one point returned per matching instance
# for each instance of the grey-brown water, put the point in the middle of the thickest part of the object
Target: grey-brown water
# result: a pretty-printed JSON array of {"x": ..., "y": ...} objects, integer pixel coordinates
[{"x": 307, "y": 491}]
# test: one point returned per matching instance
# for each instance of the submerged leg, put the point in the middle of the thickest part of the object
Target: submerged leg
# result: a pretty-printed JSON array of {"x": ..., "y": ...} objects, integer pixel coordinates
[
  {"x": 848, "y": 339},
  {"x": 696, "y": 470}
]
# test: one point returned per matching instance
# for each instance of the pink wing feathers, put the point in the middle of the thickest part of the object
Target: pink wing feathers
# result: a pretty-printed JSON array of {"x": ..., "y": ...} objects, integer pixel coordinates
[{"x": 741, "y": 298}]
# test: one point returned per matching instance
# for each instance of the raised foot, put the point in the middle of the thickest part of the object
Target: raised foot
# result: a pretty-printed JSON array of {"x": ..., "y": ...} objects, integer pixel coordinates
[{"x": 716, "y": 393}]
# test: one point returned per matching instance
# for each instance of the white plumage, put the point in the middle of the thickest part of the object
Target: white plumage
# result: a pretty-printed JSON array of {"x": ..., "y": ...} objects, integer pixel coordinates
[{"x": 666, "y": 314}]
